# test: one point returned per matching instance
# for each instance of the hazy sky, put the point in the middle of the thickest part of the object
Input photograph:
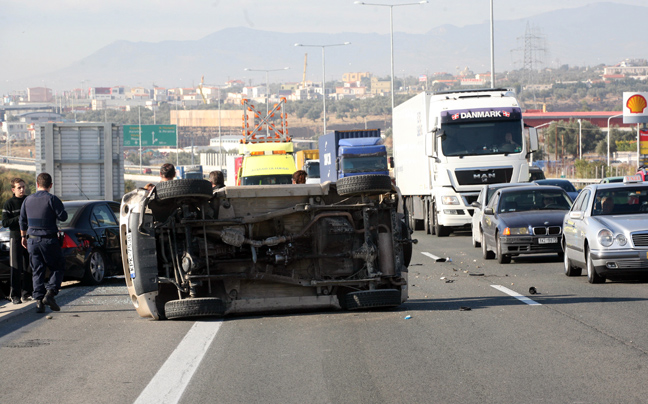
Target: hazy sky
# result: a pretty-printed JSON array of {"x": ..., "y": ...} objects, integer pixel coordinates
[{"x": 44, "y": 35}]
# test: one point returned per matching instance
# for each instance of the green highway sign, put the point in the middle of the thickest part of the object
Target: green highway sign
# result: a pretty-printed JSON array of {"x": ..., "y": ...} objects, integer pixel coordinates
[{"x": 152, "y": 135}]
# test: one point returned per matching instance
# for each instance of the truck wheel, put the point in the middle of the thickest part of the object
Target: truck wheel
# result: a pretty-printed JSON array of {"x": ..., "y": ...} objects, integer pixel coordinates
[
  {"x": 184, "y": 188},
  {"x": 197, "y": 307},
  {"x": 369, "y": 299},
  {"x": 372, "y": 184},
  {"x": 427, "y": 226},
  {"x": 439, "y": 230}
]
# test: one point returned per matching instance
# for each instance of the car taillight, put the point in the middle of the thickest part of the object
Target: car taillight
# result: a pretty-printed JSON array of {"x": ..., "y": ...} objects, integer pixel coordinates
[{"x": 68, "y": 242}]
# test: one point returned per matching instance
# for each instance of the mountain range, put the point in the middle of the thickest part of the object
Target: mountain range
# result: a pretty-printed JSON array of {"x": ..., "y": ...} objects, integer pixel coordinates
[{"x": 601, "y": 33}]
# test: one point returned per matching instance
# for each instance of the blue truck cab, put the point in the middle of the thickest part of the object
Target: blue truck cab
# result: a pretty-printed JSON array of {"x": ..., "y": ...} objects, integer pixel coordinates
[
  {"x": 190, "y": 172},
  {"x": 353, "y": 152}
]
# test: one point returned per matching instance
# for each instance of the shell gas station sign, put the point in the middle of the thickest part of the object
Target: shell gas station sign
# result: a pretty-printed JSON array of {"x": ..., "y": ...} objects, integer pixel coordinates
[
  {"x": 635, "y": 110},
  {"x": 635, "y": 107}
]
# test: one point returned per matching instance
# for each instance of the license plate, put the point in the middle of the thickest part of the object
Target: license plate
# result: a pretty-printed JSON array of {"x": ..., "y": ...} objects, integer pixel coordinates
[{"x": 548, "y": 240}]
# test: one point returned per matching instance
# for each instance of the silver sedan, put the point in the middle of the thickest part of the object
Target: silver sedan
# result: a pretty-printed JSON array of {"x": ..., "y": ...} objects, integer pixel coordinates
[{"x": 606, "y": 231}]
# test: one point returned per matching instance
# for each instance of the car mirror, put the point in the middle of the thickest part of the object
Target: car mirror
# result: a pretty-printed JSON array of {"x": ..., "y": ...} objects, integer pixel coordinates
[
  {"x": 576, "y": 215},
  {"x": 476, "y": 204},
  {"x": 489, "y": 211}
]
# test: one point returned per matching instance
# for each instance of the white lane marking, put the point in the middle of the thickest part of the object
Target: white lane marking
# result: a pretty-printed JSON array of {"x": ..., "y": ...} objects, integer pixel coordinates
[
  {"x": 516, "y": 295},
  {"x": 170, "y": 382},
  {"x": 434, "y": 257}
]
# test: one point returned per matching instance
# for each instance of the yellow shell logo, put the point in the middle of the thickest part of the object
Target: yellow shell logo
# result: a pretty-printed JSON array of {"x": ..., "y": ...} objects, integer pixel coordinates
[{"x": 636, "y": 104}]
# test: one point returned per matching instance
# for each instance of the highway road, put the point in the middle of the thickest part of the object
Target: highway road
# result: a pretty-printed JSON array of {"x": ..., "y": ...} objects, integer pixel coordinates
[{"x": 470, "y": 333}]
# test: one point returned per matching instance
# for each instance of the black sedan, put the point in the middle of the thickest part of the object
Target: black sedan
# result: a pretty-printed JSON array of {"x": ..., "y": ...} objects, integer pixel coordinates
[
  {"x": 90, "y": 240},
  {"x": 524, "y": 220}
]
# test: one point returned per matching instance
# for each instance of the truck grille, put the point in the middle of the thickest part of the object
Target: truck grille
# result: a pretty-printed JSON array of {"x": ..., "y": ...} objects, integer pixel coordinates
[{"x": 486, "y": 176}]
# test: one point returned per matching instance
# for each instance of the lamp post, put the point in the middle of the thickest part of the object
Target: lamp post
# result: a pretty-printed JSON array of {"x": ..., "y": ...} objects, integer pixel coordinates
[
  {"x": 492, "y": 38},
  {"x": 608, "y": 137},
  {"x": 391, "y": 35},
  {"x": 539, "y": 126},
  {"x": 267, "y": 86},
  {"x": 323, "y": 70},
  {"x": 580, "y": 140}
]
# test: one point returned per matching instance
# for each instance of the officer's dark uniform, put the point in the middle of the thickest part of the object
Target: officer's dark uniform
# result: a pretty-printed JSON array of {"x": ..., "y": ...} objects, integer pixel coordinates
[
  {"x": 21, "y": 278},
  {"x": 38, "y": 216}
]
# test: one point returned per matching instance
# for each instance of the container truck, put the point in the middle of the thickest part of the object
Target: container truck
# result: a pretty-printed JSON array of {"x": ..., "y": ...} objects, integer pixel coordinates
[
  {"x": 448, "y": 145},
  {"x": 351, "y": 153}
]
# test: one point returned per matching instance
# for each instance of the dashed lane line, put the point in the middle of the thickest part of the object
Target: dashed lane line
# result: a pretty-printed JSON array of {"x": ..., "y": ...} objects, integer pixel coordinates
[
  {"x": 516, "y": 295},
  {"x": 170, "y": 382}
]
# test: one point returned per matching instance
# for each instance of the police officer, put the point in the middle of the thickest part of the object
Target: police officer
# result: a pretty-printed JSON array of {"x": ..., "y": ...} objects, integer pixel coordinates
[
  {"x": 39, "y": 232},
  {"x": 21, "y": 282}
]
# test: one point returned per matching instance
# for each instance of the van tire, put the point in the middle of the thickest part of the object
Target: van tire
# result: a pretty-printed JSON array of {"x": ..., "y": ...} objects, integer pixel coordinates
[
  {"x": 184, "y": 188},
  {"x": 371, "y": 184},
  {"x": 196, "y": 307}
]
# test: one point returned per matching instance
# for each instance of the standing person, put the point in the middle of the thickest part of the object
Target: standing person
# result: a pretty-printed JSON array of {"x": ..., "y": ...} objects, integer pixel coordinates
[
  {"x": 21, "y": 283},
  {"x": 299, "y": 177},
  {"x": 39, "y": 233},
  {"x": 167, "y": 172},
  {"x": 217, "y": 180}
]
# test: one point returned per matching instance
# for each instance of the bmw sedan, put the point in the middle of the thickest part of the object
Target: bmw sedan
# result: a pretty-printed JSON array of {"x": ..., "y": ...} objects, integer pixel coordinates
[
  {"x": 482, "y": 200},
  {"x": 606, "y": 231},
  {"x": 90, "y": 240},
  {"x": 524, "y": 220}
]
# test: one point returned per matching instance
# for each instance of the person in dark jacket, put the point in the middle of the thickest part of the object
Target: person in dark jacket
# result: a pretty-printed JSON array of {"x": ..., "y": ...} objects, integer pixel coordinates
[
  {"x": 21, "y": 282},
  {"x": 39, "y": 233},
  {"x": 217, "y": 179}
]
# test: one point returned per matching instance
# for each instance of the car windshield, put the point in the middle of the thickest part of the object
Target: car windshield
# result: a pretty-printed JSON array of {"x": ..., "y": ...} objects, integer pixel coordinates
[
  {"x": 566, "y": 185},
  {"x": 533, "y": 199},
  {"x": 620, "y": 201}
]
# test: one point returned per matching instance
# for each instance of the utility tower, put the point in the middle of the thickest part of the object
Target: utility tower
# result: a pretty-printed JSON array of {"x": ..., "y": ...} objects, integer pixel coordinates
[{"x": 533, "y": 49}]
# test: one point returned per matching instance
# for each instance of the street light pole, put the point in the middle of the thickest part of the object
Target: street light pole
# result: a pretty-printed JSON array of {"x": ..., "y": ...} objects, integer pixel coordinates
[
  {"x": 608, "y": 137},
  {"x": 492, "y": 37},
  {"x": 580, "y": 140},
  {"x": 323, "y": 71},
  {"x": 267, "y": 88},
  {"x": 391, "y": 36},
  {"x": 539, "y": 126}
]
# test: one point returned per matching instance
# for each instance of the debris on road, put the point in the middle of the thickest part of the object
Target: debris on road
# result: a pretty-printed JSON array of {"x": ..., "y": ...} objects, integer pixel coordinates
[
  {"x": 408, "y": 317},
  {"x": 464, "y": 308},
  {"x": 532, "y": 290}
]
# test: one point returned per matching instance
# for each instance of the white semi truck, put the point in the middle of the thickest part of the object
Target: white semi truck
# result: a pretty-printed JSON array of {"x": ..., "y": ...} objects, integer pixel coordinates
[{"x": 448, "y": 145}]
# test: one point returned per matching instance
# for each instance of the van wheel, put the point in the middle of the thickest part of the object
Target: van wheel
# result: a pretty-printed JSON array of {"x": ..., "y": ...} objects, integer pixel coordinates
[
  {"x": 183, "y": 188},
  {"x": 195, "y": 307},
  {"x": 370, "y": 184}
]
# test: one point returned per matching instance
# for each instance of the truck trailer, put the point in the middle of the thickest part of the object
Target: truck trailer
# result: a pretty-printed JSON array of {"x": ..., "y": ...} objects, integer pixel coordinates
[{"x": 448, "y": 145}]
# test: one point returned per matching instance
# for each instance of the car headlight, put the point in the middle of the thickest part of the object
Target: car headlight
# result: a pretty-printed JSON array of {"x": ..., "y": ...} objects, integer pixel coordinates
[
  {"x": 516, "y": 231},
  {"x": 621, "y": 239},
  {"x": 449, "y": 200},
  {"x": 605, "y": 237}
]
